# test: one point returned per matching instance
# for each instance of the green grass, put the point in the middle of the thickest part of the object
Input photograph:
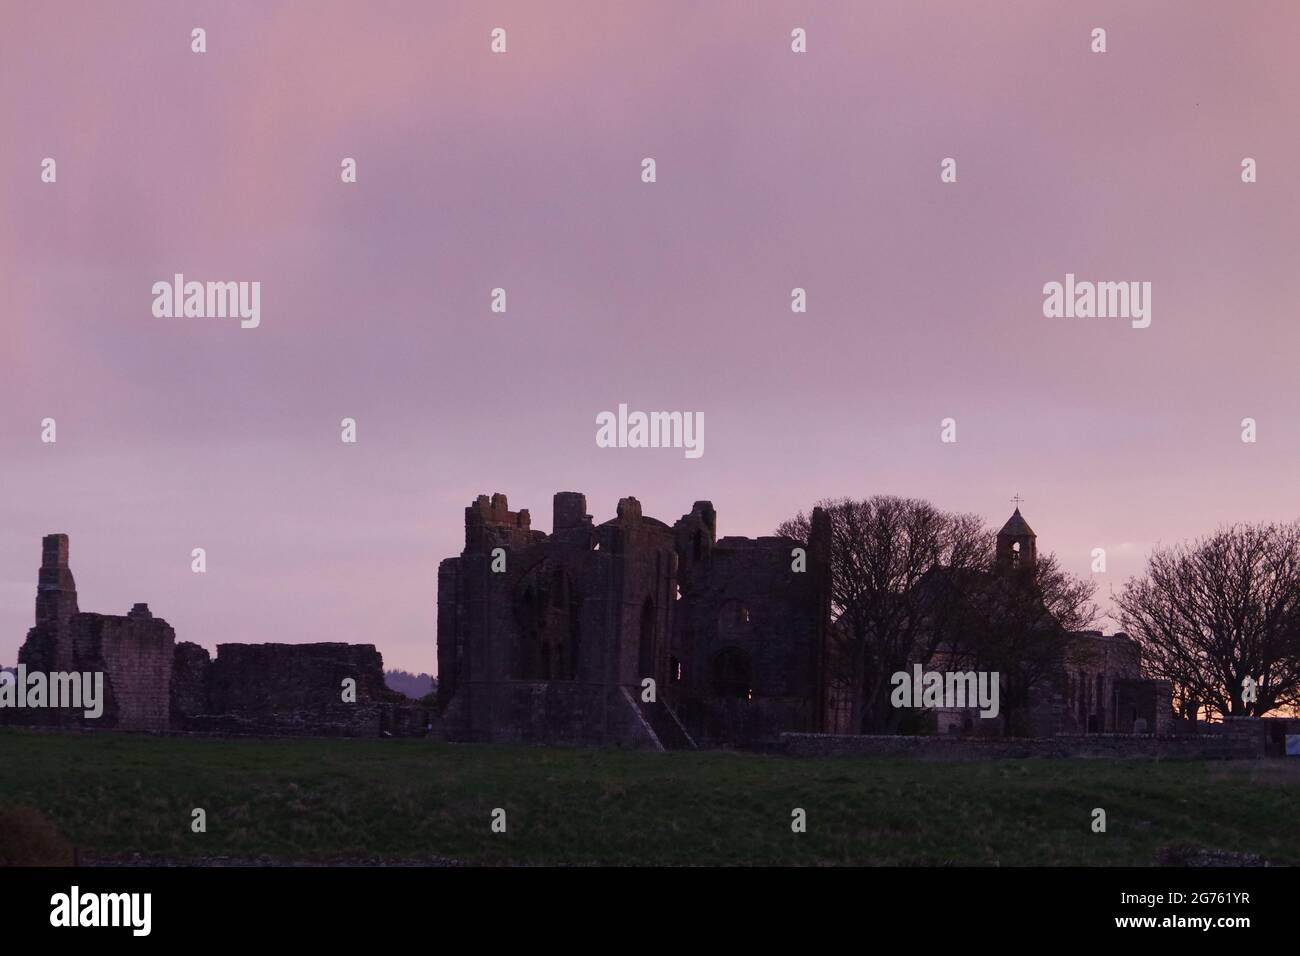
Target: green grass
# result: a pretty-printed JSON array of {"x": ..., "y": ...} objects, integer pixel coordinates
[{"x": 115, "y": 795}]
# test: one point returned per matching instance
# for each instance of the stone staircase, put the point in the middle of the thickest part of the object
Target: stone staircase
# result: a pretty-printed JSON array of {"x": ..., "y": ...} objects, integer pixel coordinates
[{"x": 672, "y": 735}]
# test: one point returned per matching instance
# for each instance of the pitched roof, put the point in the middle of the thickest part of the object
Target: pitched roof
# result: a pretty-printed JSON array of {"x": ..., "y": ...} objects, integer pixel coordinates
[{"x": 1016, "y": 526}]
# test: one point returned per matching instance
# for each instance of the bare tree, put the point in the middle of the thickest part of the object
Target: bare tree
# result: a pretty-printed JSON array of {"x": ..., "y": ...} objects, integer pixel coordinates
[
  {"x": 1213, "y": 613},
  {"x": 881, "y": 550},
  {"x": 1015, "y": 621}
]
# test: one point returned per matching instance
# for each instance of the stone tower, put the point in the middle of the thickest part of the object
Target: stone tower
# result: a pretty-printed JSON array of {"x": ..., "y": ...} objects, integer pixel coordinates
[
  {"x": 1017, "y": 544},
  {"x": 56, "y": 606},
  {"x": 133, "y": 652},
  {"x": 56, "y": 591}
]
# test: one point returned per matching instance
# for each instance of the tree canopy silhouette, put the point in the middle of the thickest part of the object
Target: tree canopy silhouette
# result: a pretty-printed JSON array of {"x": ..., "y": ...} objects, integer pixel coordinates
[
  {"x": 912, "y": 584},
  {"x": 881, "y": 549},
  {"x": 1212, "y": 613}
]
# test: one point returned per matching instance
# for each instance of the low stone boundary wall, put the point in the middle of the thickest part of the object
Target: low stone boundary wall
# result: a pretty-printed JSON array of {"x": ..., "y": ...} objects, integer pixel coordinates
[{"x": 1112, "y": 746}]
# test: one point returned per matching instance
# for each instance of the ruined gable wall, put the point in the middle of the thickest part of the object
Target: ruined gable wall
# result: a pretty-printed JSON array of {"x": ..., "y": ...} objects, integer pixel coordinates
[
  {"x": 608, "y": 572},
  {"x": 645, "y": 577},
  {"x": 753, "y": 577},
  {"x": 746, "y": 596},
  {"x": 491, "y": 701},
  {"x": 134, "y": 652}
]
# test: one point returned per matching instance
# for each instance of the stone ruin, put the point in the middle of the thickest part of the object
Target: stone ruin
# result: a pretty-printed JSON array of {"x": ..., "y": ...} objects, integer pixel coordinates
[
  {"x": 289, "y": 689},
  {"x": 1097, "y": 686},
  {"x": 551, "y": 638},
  {"x": 153, "y": 683},
  {"x": 133, "y": 651}
]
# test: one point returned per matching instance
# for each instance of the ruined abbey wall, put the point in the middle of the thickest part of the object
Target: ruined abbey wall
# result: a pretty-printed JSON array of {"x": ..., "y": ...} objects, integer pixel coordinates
[
  {"x": 132, "y": 651},
  {"x": 150, "y": 683},
  {"x": 537, "y": 632},
  {"x": 552, "y": 638},
  {"x": 289, "y": 689},
  {"x": 750, "y": 633}
]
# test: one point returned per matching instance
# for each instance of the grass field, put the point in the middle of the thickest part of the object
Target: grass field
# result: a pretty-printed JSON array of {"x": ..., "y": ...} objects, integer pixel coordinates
[{"x": 115, "y": 795}]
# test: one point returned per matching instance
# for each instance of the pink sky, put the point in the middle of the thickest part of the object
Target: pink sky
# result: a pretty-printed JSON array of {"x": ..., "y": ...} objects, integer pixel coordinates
[{"x": 522, "y": 170}]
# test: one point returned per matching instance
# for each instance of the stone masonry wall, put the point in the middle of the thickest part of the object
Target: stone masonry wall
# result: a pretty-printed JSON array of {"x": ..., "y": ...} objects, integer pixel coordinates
[
  {"x": 289, "y": 689},
  {"x": 1181, "y": 747},
  {"x": 190, "y": 665},
  {"x": 134, "y": 653}
]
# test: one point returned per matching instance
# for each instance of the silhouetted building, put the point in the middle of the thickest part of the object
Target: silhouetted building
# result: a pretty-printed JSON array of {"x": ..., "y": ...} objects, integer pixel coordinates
[{"x": 552, "y": 638}]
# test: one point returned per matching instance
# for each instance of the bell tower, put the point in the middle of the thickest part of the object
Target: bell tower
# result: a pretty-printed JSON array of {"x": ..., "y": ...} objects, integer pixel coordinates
[{"x": 1017, "y": 544}]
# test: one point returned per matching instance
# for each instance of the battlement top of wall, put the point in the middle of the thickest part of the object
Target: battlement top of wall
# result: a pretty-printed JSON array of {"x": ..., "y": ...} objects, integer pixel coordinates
[
  {"x": 496, "y": 511},
  {"x": 54, "y": 551},
  {"x": 140, "y": 612}
]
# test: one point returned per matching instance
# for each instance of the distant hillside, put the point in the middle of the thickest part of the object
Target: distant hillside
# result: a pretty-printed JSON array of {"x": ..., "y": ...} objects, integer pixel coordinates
[{"x": 414, "y": 686}]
